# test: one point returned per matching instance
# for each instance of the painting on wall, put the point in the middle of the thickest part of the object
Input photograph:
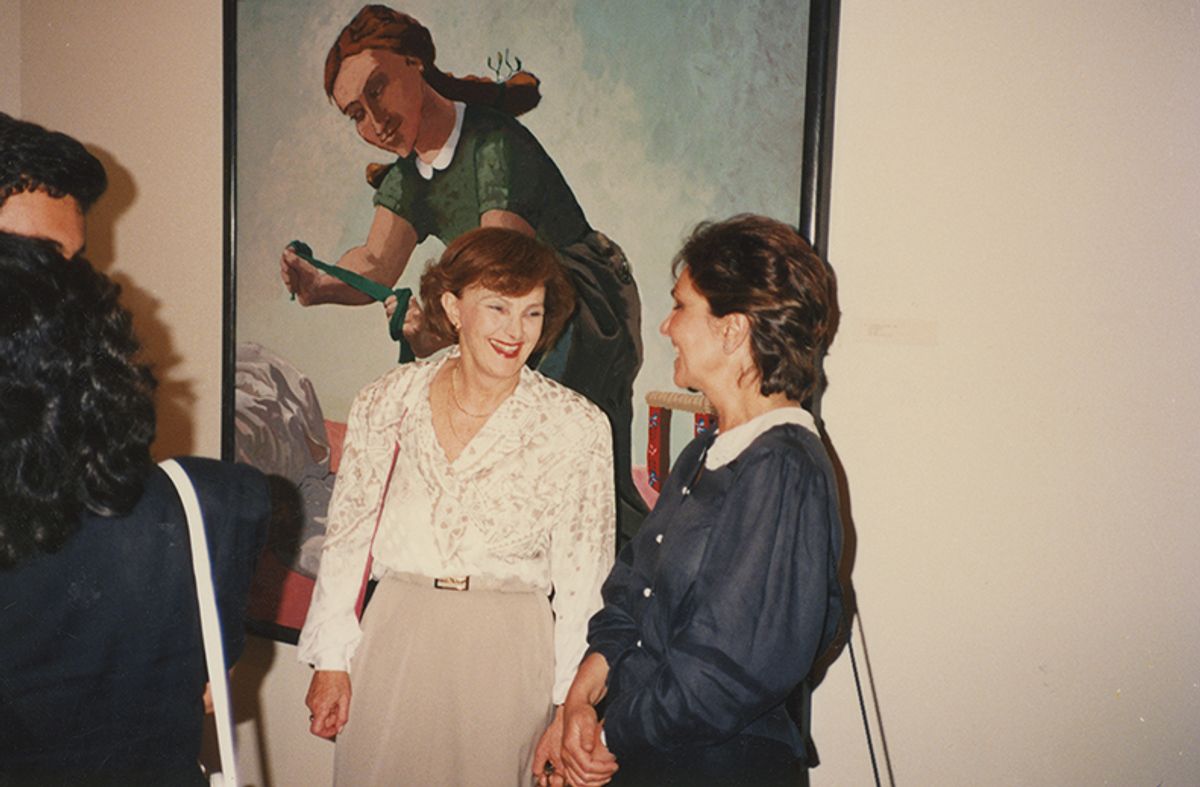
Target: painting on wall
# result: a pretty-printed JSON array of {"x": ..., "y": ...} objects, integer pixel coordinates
[{"x": 610, "y": 129}]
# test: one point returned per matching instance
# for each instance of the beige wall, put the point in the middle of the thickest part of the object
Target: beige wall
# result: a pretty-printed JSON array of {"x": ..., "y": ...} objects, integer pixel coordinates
[
  {"x": 140, "y": 84},
  {"x": 10, "y": 57},
  {"x": 1014, "y": 390}
]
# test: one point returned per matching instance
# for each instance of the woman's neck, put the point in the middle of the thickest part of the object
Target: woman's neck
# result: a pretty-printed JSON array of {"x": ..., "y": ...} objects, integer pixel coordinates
[
  {"x": 437, "y": 123},
  {"x": 479, "y": 392},
  {"x": 738, "y": 405}
]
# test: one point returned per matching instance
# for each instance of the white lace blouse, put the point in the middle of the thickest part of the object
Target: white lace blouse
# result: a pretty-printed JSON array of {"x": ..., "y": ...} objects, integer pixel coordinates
[{"x": 529, "y": 498}]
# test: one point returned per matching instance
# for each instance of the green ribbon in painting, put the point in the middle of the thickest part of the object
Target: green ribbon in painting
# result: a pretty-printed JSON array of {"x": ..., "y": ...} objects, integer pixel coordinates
[{"x": 374, "y": 289}]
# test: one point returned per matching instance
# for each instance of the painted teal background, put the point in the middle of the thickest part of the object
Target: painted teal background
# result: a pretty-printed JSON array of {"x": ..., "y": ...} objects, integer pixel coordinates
[{"x": 660, "y": 114}]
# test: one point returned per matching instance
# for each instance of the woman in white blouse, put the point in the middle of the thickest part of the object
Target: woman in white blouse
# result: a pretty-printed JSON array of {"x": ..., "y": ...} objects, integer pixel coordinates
[{"x": 479, "y": 488}]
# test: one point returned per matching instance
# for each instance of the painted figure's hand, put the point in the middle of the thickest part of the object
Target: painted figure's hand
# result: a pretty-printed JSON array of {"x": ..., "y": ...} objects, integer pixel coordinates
[
  {"x": 328, "y": 702},
  {"x": 414, "y": 319},
  {"x": 423, "y": 341},
  {"x": 298, "y": 276}
]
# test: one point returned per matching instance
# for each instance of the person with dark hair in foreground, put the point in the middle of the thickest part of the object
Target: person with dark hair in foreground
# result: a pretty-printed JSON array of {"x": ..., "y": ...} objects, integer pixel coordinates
[
  {"x": 48, "y": 182},
  {"x": 480, "y": 488},
  {"x": 102, "y": 669},
  {"x": 715, "y": 613}
]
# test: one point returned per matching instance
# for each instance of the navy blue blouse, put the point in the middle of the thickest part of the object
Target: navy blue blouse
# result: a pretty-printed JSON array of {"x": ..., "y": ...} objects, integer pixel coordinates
[
  {"x": 719, "y": 606},
  {"x": 101, "y": 658}
]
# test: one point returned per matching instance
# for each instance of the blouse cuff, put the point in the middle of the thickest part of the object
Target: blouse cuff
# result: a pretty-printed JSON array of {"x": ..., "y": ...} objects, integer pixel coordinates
[
  {"x": 565, "y": 655},
  {"x": 561, "y": 687},
  {"x": 328, "y": 656},
  {"x": 610, "y": 650}
]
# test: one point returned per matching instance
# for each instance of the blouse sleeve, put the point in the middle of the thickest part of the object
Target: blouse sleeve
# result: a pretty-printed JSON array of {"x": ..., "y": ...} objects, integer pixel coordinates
[
  {"x": 613, "y": 630},
  {"x": 400, "y": 193},
  {"x": 581, "y": 548},
  {"x": 756, "y": 619},
  {"x": 331, "y": 630},
  {"x": 508, "y": 172}
]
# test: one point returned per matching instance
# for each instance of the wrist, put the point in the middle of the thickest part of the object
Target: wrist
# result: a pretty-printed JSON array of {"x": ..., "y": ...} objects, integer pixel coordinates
[
  {"x": 323, "y": 286},
  {"x": 574, "y": 702},
  {"x": 591, "y": 683}
]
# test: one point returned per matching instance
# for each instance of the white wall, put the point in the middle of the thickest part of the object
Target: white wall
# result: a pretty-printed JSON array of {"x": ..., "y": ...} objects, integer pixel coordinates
[{"x": 1014, "y": 390}]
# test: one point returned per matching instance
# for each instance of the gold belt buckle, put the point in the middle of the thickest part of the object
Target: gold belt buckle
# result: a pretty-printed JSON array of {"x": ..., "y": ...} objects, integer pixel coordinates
[{"x": 452, "y": 583}]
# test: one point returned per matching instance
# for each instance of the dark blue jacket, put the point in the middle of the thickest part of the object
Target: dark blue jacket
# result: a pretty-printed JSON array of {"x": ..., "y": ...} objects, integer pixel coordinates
[
  {"x": 101, "y": 658},
  {"x": 719, "y": 606}
]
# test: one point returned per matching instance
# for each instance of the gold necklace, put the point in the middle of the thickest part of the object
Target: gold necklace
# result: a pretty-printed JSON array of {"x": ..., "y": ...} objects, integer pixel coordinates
[
  {"x": 458, "y": 404},
  {"x": 454, "y": 429}
]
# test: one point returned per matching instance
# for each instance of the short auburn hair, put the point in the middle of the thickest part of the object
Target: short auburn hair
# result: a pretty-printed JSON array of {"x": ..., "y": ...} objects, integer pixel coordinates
[
  {"x": 766, "y": 270},
  {"x": 504, "y": 261}
]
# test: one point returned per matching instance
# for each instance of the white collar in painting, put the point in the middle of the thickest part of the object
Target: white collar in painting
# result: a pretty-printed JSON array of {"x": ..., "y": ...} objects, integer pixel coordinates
[
  {"x": 729, "y": 445},
  {"x": 446, "y": 154}
]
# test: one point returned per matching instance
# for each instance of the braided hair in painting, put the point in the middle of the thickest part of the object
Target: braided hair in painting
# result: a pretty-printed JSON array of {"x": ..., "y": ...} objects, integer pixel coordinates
[{"x": 380, "y": 27}]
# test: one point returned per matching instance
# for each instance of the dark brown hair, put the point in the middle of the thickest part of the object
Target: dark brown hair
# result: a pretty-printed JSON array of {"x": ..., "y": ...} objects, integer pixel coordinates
[
  {"x": 32, "y": 158},
  {"x": 380, "y": 27},
  {"x": 766, "y": 270},
  {"x": 77, "y": 406},
  {"x": 504, "y": 261}
]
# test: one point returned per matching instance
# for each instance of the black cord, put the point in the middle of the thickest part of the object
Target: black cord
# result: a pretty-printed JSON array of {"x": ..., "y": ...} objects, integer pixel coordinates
[{"x": 862, "y": 705}]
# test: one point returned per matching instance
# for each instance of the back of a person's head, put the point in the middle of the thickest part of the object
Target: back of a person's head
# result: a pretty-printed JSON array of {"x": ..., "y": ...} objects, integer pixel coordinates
[
  {"x": 33, "y": 158},
  {"x": 76, "y": 406}
]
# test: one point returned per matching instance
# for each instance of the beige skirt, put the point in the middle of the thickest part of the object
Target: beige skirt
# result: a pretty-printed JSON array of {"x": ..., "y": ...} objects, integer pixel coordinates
[{"x": 447, "y": 688}]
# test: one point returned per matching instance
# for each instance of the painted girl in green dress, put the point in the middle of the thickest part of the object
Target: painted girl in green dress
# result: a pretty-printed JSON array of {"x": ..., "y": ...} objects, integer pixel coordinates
[{"x": 464, "y": 161}]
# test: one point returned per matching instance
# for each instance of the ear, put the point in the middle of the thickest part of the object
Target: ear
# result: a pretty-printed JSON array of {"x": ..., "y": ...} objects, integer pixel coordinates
[
  {"x": 450, "y": 303},
  {"x": 735, "y": 332}
]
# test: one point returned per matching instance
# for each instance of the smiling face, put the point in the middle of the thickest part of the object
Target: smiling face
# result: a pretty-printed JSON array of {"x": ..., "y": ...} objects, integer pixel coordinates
[
  {"x": 382, "y": 93},
  {"x": 36, "y": 214},
  {"x": 695, "y": 334},
  {"x": 496, "y": 333}
]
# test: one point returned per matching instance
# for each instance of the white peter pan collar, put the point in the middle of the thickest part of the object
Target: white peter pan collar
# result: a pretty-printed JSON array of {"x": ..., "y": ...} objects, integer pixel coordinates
[
  {"x": 446, "y": 154},
  {"x": 729, "y": 445}
]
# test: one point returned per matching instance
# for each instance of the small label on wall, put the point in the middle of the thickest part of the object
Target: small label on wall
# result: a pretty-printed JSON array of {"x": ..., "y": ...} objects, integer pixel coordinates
[{"x": 913, "y": 332}]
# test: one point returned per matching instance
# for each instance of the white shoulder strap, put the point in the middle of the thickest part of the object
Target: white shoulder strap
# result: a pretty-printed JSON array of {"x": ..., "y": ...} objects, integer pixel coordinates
[{"x": 210, "y": 626}]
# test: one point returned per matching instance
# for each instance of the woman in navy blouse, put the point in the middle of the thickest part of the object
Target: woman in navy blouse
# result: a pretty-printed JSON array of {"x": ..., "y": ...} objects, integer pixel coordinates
[{"x": 715, "y": 613}]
